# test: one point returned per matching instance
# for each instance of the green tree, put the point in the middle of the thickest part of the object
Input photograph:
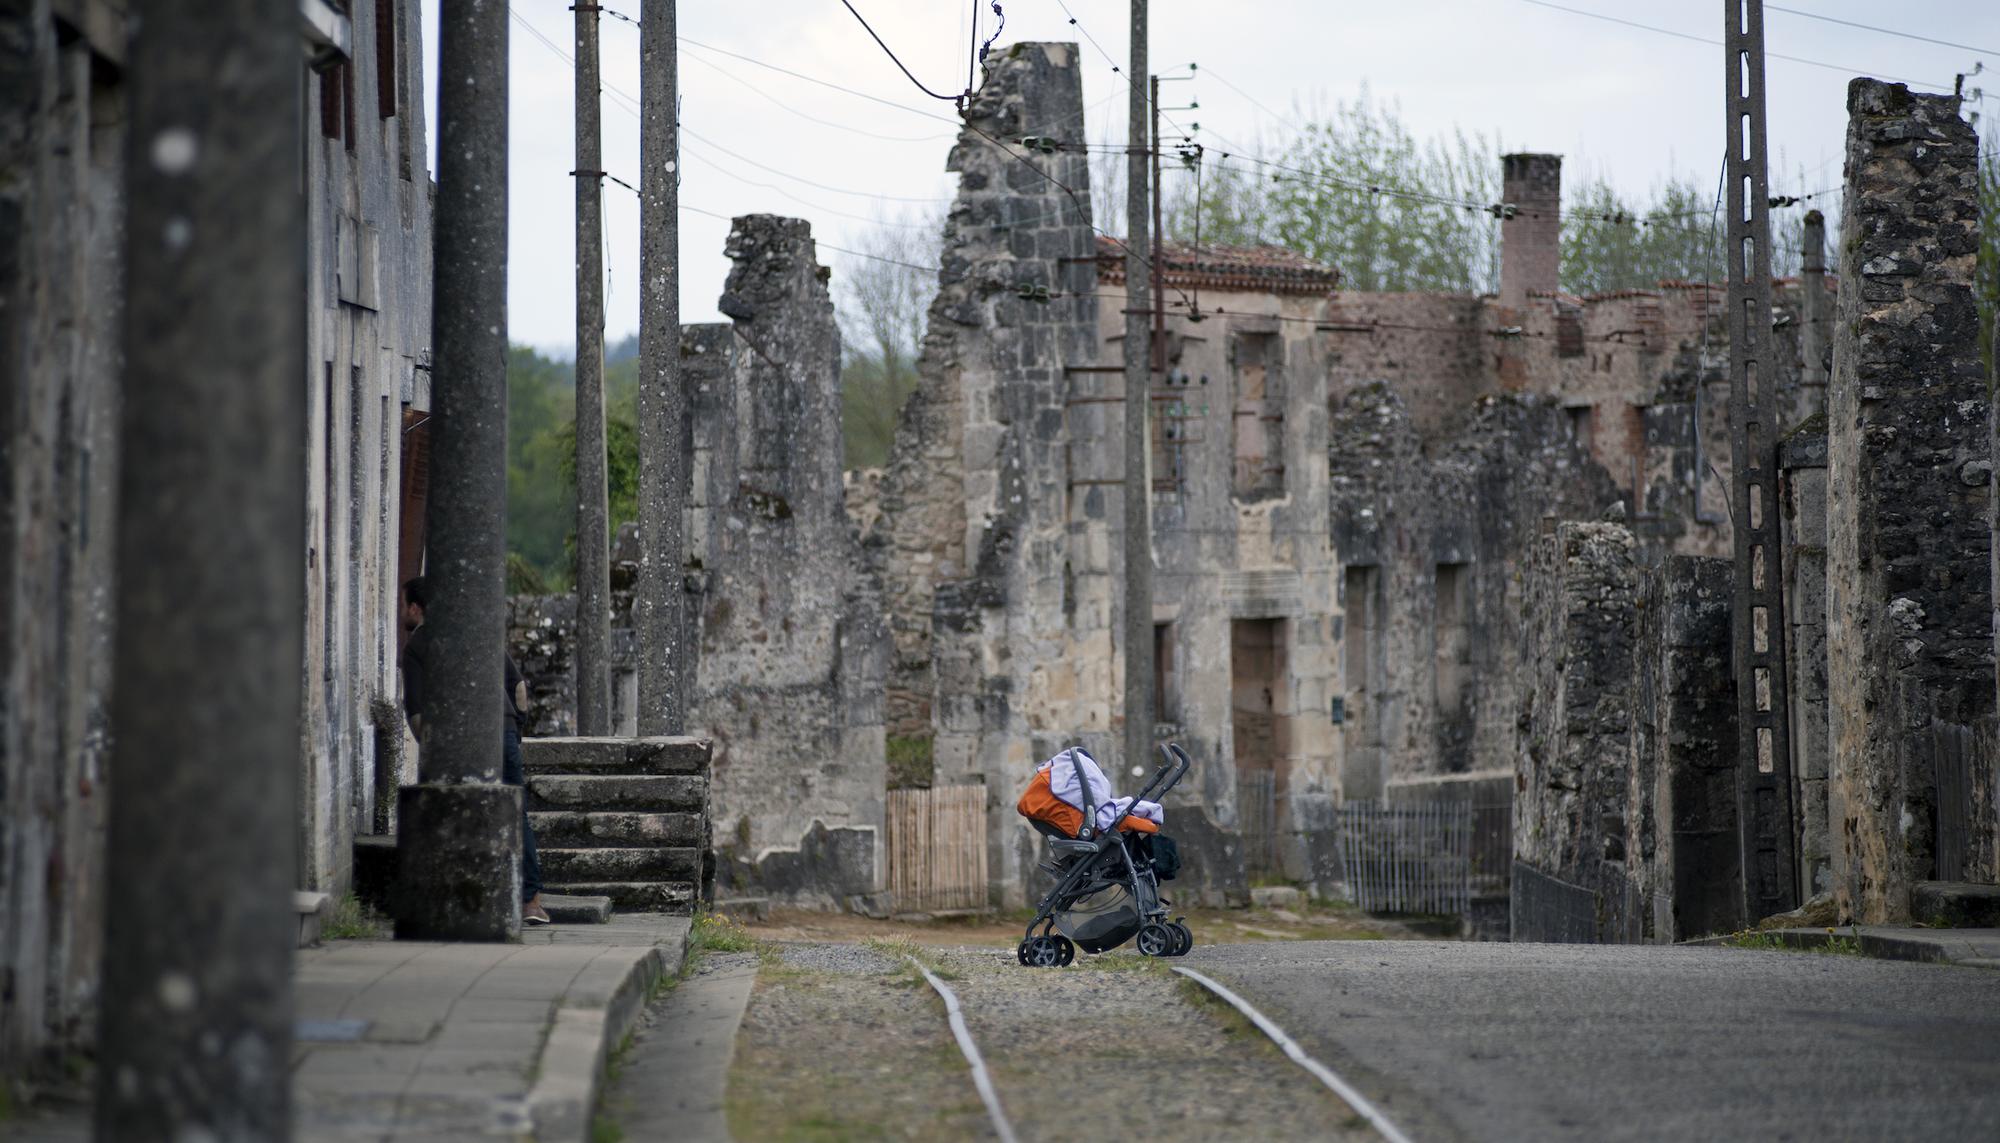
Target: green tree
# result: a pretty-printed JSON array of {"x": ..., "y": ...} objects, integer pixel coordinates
[
  {"x": 541, "y": 508},
  {"x": 1358, "y": 191},
  {"x": 882, "y": 301}
]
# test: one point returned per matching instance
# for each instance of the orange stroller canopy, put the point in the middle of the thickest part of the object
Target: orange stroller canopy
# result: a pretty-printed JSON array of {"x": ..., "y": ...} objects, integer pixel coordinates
[{"x": 1053, "y": 797}]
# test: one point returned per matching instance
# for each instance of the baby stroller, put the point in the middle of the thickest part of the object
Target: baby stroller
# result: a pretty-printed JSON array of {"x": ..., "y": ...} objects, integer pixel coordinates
[{"x": 1108, "y": 860}]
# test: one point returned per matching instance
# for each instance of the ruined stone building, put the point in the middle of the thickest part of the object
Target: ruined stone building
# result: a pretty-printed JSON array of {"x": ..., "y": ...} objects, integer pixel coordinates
[
  {"x": 784, "y": 617},
  {"x": 1632, "y": 809},
  {"x": 63, "y": 173}
]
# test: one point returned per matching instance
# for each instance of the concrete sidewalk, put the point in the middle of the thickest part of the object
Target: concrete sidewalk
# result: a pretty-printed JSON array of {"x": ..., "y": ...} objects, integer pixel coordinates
[{"x": 406, "y": 1040}]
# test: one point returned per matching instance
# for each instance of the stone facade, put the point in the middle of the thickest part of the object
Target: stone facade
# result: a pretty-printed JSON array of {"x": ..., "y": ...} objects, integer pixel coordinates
[
  {"x": 368, "y": 297},
  {"x": 1909, "y": 466},
  {"x": 62, "y": 174},
  {"x": 1572, "y": 770},
  {"x": 62, "y": 196}
]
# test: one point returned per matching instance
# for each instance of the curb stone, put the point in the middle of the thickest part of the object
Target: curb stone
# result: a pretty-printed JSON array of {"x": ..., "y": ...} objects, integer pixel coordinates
[{"x": 591, "y": 1020}]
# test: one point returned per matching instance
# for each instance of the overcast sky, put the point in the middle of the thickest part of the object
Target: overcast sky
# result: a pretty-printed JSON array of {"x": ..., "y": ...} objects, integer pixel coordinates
[{"x": 1633, "y": 105}]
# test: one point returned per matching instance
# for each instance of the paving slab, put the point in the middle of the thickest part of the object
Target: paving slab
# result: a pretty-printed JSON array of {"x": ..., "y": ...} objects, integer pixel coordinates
[{"x": 429, "y": 1040}]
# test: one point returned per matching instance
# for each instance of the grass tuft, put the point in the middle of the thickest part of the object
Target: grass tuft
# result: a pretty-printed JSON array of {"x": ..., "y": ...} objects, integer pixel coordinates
[{"x": 350, "y": 920}]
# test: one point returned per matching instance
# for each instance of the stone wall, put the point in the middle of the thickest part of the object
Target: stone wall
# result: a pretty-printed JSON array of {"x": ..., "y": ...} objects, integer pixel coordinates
[
  {"x": 1574, "y": 756},
  {"x": 793, "y": 649},
  {"x": 62, "y": 165},
  {"x": 1910, "y": 638},
  {"x": 995, "y": 545},
  {"x": 1683, "y": 849},
  {"x": 1465, "y": 505},
  {"x": 368, "y": 336},
  {"x": 787, "y": 624}
]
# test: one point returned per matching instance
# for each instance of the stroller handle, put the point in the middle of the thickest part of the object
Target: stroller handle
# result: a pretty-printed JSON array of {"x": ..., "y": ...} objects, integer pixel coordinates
[{"x": 1168, "y": 775}]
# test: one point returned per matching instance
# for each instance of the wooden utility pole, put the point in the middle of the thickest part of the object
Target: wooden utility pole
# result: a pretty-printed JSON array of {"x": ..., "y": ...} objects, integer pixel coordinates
[
  {"x": 459, "y": 829},
  {"x": 195, "y": 1038},
  {"x": 663, "y": 466},
  {"x": 1763, "y": 757},
  {"x": 1138, "y": 390},
  {"x": 593, "y": 517}
]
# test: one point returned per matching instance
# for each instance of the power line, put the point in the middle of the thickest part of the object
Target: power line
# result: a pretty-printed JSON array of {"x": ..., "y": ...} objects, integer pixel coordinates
[
  {"x": 691, "y": 133},
  {"x": 1883, "y": 31},
  {"x": 808, "y": 117},
  {"x": 1718, "y": 43},
  {"x": 958, "y": 99}
]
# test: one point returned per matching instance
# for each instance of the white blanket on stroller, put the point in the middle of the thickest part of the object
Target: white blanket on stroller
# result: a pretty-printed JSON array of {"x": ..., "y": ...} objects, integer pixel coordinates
[{"x": 1062, "y": 782}]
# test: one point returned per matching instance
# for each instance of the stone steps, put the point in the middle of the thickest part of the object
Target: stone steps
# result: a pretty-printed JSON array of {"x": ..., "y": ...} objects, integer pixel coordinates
[
  {"x": 570, "y": 866},
  {"x": 603, "y": 793},
  {"x": 577, "y": 829},
  {"x": 622, "y": 819},
  {"x": 641, "y": 896},
  {"x": 1955, "y": 905},
  {"x": 615, "y": 756}
]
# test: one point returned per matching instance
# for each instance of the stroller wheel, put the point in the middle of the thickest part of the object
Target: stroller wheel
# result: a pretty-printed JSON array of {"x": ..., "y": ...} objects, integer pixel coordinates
[
  {"x": 1067, "y": 949},
  {"x": 1156, "y": 939},
  {"x": 1184, "y": 938},
  {"x": 1044, "y": 952},
  {"x": 1021, "y": 953}
]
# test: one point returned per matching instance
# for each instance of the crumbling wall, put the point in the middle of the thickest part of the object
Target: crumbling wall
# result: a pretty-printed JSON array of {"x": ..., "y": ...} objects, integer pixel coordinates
[
  {"x": 1683, "y": 849},
  {"x": 1910, "y": 639},
  {"x": 997, "y": 556},
  {"x": 62, "y": 152},
  {"x": 1574, "y": 748},
  {"x": 793, "y": 650},
  {"x": 1465, "y": 506}
]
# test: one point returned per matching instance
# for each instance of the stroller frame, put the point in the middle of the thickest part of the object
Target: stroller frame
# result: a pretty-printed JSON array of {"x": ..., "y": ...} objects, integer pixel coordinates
[{"x": 1096, "y": 860}]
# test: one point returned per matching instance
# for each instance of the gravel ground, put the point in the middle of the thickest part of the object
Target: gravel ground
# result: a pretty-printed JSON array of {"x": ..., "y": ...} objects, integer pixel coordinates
[
  {"x": 1118, "y": 1046},
  {"x": 830, "y": 1050},
  {"x": 841, "y": 960}
]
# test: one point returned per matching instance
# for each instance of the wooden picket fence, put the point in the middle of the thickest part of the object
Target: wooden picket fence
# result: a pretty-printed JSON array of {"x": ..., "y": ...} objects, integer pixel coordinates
[{"x": 937, "y": 849}]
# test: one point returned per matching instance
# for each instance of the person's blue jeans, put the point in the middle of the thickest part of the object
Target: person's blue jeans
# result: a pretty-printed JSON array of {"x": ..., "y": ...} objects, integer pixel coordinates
[{"x": 514, "y": 772}]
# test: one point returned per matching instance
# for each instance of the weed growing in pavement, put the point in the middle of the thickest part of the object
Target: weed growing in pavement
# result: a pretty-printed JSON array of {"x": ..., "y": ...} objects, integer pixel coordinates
[
  {"x": 1772, "y": 942},
  {"x": 719, "y": 932},
  {"x": 351, "y": 920},
  {"x": 1122, "y": 962}
]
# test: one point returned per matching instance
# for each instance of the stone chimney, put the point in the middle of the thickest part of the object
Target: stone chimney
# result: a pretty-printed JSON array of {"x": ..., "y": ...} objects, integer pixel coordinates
[{"x": 1531, "y": 241}]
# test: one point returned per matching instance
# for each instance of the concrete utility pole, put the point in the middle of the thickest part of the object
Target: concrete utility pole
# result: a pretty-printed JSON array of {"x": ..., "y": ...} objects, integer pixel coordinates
[
  {"x": 593, "y": 515},
  {"x": 1139, "y": 303},
  {"x": 663, "y": 471},
  {"x": 195, "y": 1037},
  {"x": 1764, "y": 757},
  {"x": 459, "y": 836}
]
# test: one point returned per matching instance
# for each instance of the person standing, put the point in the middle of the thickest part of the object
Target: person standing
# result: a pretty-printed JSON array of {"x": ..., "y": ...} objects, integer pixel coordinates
[{"x": 513, "y": 770}]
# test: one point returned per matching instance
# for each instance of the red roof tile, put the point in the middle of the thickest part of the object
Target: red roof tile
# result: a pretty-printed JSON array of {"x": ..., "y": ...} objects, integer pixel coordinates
[{"x": 1270, "y": 269}]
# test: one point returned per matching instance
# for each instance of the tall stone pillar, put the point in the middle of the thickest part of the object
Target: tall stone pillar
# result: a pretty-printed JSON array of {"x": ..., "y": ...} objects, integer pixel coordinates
[
  {"x": 459, "y": 831},
  {"x": 195, "y": 1037},
  {"x": 1802, "y": 467},
  {"x": 1909, "y": 578},
  {"x": 1685, "y": 854},
  {"x": 1574, "y": 745}
]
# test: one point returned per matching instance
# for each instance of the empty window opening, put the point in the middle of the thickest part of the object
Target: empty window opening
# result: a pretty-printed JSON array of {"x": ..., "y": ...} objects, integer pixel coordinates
[
  {"x": 1166, "y": 680},
  {"x": 1451, "y": 675},
  {"x": 1257, "y": 424}
]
